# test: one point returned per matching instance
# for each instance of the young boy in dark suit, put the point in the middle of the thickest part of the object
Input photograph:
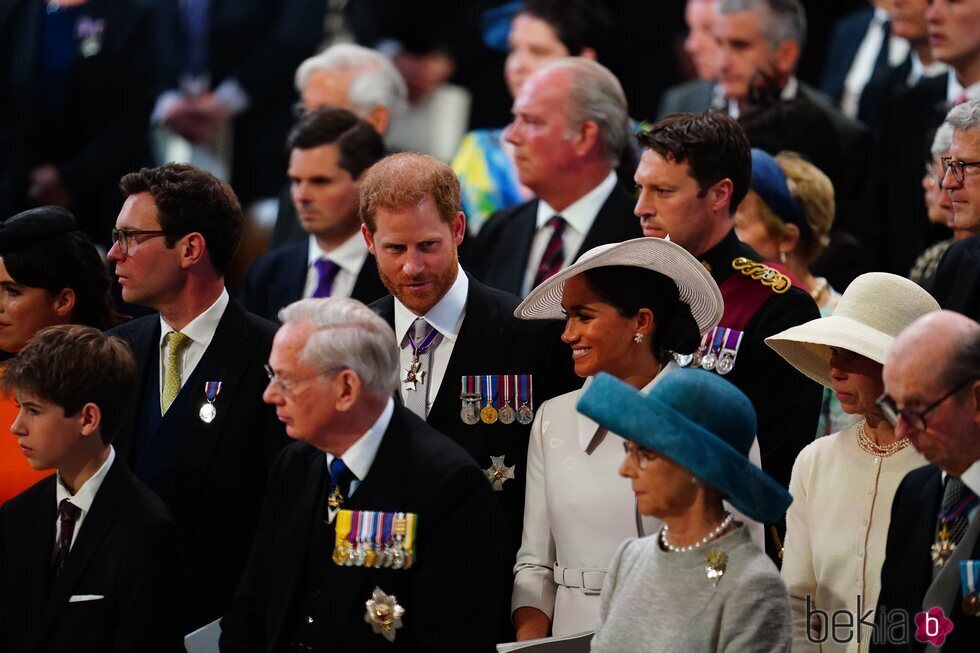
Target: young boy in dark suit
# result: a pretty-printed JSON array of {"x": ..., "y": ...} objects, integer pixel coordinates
[{"x": 88, "y": 556}]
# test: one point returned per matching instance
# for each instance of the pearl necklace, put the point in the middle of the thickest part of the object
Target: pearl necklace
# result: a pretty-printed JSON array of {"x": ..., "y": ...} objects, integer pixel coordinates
[
  {"x": 875, "y": 449},
  {"x": 704, "y": 540}
]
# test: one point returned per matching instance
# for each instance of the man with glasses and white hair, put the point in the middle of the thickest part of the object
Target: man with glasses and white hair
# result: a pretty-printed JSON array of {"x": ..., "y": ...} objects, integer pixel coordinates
[
  {"x": 932, "y": 559},
  {"x": 569, "y": 131},
  {"x": 197, "y": 433},
  {"x": 957, "y": 285},
  {"x": 376, "y": 525},
  {"x": 345, "y": 76}
]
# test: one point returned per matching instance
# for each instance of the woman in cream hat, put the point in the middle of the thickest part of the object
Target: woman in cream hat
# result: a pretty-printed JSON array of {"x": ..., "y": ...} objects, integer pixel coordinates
[
  {"x": 843, "y": 484},
  {"x": 700, "y": 584},
  {"x": 628, "y": 307}
]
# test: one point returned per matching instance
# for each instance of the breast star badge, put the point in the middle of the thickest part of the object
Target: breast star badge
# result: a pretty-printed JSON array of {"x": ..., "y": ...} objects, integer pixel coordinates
[
  {"x": 384, "y": 614},
  {"x": 498, "y": 472}
]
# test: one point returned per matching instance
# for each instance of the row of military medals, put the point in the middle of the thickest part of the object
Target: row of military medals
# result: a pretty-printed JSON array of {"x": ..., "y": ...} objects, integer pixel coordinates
[
  {"x": 370, "y": 538},
  {"x": 480, "y": 395},
  {"x": 718, "y": 350}
]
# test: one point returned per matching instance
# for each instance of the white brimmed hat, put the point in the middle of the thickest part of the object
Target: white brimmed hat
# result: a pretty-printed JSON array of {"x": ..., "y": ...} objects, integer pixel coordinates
[
  {"x": 696, "y": 287},
  {"x": 872, "y": 311}
]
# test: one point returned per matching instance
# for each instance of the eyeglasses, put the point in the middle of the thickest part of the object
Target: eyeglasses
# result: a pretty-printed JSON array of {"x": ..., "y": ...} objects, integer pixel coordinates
[
  {"x": 121, "y": 237},
  {"x": 288, "y": 388},
  {"x": 638, "y": 454},
  {"x": 958, "y": 167},
  {"x": 916, "y": 419}
]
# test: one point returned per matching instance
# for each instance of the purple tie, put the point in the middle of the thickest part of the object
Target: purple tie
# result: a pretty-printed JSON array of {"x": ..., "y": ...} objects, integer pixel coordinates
[
  {"x": 553, "y": 258},
  {"x": 327, "y": 271}
]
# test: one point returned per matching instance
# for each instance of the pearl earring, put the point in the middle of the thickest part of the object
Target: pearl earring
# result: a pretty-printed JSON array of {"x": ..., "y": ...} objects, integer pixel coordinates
[
  {"x": 638, "y": 338},
  {"x": 694, "y": 480},
  {"x": 782, "y": 257}
]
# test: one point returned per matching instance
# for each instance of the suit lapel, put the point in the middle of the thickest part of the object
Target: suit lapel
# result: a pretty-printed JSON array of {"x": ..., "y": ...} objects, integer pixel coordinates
[
  {"x": 224, "y": 360},
  {"x": 292, "y": 279},
  {"x": 40, "y": 555},
  {"x": 368, "y": 286},
  {"x": 610, "y": 224},
  {"x": 98, "y": 523},
  {"x": 144, "y": 340},
  {"x": 481, "y": 324}
]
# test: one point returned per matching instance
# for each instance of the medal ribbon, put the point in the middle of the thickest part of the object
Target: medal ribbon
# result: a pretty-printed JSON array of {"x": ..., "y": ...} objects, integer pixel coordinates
[
  {"x": 354, "y": 528},
  {"x": 389, "y": 518},
  {"x": 526, "y": 391},
  {"x": 489, "y": 394},
  {"x": 411, "y": 524},
  {"x": 505, "y": 381},
  {"x": 212, "y": 389},
  {"x": 705, "y": 339},
  {"x": 377, "y": 530},
  {"x": 738, "y": 342},
  {"x": 718, "y": 336},
  {"x": 969, "y": 571},
  {"x": 364, "y": 532},
  {"x": 966, "y": 504},
  {"x": 418, "y": 349},
  {"x": 342, "y": 528}
]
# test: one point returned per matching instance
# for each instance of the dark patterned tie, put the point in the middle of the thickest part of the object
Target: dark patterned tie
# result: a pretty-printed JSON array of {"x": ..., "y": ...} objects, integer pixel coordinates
[
  {"x": 327, "y": 271},
  {"x": 956, "y": 503},
  {"x": 553, "y": 258},
  {"x": 68, "y": 514},
  {"x": 340, "y": 480}
]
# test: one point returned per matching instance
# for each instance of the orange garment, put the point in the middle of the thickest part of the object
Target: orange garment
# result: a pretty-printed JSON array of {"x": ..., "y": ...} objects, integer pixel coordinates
[{"x": 15, "y": 474}]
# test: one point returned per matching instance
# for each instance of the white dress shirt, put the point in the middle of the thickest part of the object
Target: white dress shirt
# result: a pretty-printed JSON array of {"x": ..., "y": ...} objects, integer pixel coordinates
[
  {"x": 863, "y": 65},
  {"x": 360, "y": 456},
  {"x": 200, "y": 330},
  {"x": 447, "y": 318},
  {"x": 349, "y": 255},
  {"x": 83, "y": 498},
  {"x": 954, "y": 89},
  {"x": 579, "y": 217}
]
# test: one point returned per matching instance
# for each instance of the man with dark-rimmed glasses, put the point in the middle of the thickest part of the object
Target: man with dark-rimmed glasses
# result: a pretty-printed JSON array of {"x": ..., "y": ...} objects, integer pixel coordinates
[
  {"x": 932, "y": 397},
  {"x": 198, "y": 432},
  {"x": 957, "y": 285}
]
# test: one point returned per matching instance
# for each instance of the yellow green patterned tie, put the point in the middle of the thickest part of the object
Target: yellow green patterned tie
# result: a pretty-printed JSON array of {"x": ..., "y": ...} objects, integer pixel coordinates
[{"x": 176, "y": 343}]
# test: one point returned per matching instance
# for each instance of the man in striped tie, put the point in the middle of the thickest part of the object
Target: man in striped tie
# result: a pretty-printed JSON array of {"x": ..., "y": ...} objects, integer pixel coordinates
[{"x": 569, "y": 131}]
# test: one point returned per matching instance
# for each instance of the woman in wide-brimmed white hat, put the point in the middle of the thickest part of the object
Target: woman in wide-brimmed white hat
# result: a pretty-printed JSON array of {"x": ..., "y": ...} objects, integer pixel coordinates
[
  {"x": 843, "y": 484},
  {"x": 628, "y": 307}
]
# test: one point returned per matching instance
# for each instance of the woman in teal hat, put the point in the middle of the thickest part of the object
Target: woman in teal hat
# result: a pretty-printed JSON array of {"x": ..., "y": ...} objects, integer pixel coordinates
[{"x": 700, "y": 584}]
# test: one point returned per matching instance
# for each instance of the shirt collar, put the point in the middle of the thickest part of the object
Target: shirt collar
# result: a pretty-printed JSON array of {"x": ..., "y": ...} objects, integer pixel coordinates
[
  {"x": 446, "y": 316},
  {"x": 360, "y": 456},
  {"x": 581, "y": 213},
  {"x": 201, "y": 329},
  {"x": 918, "y": 71},
  {"x": 349, "y": 255},
  {"x": 971, "y": 477},
  {"x": 86, "y": 494},
  {"x": 954, "y": 88}
]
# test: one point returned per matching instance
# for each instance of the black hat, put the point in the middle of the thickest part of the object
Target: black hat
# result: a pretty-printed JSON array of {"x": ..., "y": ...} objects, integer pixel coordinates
[{"x": 35, "y": 224}]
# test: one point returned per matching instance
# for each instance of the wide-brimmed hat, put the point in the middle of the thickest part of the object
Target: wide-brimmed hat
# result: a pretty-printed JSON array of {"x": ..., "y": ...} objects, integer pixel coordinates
[
  {"x": 695, "y": 286},
  {"x": 700, "y": 421},
  {"x": 872, "y": 311}
]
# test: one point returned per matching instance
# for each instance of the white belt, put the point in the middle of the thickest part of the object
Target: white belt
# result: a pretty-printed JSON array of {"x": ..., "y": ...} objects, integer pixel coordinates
[{"x": 587, "y": 580}]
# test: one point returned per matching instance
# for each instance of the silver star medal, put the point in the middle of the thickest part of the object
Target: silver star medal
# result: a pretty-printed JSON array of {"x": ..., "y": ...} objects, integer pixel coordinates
[
  {"x": 384, "y": 614},
  {"x": 498, "y": 472}
]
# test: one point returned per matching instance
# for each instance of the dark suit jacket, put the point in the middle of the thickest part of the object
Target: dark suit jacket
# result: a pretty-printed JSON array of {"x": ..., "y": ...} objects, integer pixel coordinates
[
  {"x": 845, "y": 40},
  {"x": 100, "y": 131},
  {"x": 259, "y": 43},
  {"x": 907, "y": 572},
  {"x": 900, "y": 227},
  {"x": 126, "y": 551},
  {"x": 493, "y": 341},
  {"x": 278, "y": 278},
  {"x": 689, "y": 97},
  {"x": 220, "y": 470},
  {"x": 449, "y": 595},
  {"x": 957, "y": 283},
  {"x": 498, "y": 256}
]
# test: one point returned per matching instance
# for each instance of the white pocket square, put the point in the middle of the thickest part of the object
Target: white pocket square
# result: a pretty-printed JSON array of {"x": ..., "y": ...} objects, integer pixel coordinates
[{"x": 79, "y": 598}]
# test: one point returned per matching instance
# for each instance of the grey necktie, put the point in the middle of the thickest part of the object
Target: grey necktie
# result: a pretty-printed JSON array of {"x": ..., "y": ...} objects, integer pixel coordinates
[{"x": 416, "y": 391}]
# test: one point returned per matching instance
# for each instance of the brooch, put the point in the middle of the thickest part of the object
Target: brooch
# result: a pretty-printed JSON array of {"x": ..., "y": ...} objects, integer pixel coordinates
[{"x": 384, "y": 614}]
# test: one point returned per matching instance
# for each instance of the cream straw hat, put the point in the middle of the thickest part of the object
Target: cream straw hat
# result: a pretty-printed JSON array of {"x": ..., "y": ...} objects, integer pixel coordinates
[{"x": 872, "y": 311}]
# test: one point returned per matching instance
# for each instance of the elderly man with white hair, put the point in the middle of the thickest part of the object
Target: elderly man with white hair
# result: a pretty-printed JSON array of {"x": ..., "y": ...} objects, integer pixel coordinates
[
  {"x": 570, "y": 129},
  {"x": 345, "y": 76},
  {"x": 957, "y": 285},
  {"x": 375, "y": 525},
  {"x": 932, "y": 558}
]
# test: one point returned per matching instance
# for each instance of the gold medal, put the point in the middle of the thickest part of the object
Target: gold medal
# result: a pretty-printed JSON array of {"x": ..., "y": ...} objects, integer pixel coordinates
[
  {"x": 488, "y": 415},
  {"x": 335, "y": 500},
  {"x": 340, "y": 553},
  {"x": 715, "y": 563},
  {"x": 943, "y": 547},
  {"x": 370, "y": 556}
]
